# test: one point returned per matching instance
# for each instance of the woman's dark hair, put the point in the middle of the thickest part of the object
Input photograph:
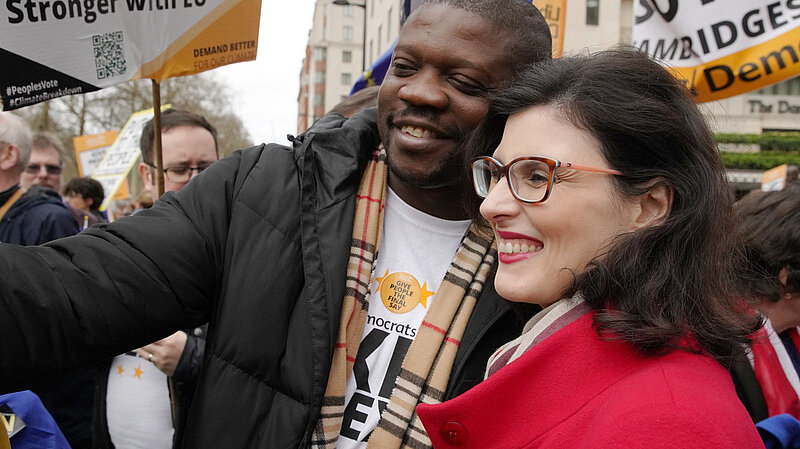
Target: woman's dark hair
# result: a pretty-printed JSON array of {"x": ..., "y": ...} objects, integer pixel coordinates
[
  {"x": 769, "y": 229},
  {"x": 87, "y": 187},
  {"x": 658, "y": 284}
]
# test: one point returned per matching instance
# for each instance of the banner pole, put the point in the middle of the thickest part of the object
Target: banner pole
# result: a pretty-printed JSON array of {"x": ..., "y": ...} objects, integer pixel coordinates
[{"x": 157, "y": 137}]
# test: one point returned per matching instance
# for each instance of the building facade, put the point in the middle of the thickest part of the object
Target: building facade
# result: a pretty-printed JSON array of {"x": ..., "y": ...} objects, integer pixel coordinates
[
  {"x": 336, "y": 53},
  {"x": 335, "y": 45}
]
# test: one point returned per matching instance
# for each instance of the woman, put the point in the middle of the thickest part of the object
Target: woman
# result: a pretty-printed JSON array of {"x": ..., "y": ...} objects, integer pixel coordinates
[
  {"x": 85, "y": 196},
  {"x": 608, "y": 201},
  {"x": 769, "y": 228}
]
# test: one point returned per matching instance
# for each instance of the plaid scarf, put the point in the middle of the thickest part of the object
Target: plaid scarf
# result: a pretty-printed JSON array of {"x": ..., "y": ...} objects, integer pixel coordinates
[
  {"x": 544, "y": 324},
  {"x": 426, "y": 368}
]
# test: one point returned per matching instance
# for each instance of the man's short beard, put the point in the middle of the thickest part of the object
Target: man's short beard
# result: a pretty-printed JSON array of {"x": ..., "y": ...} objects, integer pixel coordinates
[{"x": 447, "y": 173}]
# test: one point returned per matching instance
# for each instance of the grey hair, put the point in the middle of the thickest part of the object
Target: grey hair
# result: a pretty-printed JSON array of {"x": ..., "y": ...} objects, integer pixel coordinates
[{"x": 14, "y": 130}]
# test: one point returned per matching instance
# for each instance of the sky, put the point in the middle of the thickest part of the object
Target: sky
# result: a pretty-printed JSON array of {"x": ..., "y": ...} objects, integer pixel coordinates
[{"x": 265, "y": 90}]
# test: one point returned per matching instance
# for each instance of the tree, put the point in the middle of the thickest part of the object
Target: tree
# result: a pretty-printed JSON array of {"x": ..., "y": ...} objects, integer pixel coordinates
[{"x": 109, "y": 109}]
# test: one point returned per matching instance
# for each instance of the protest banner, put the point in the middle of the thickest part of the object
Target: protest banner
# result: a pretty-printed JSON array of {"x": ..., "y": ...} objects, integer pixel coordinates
[
  {"x": 123, "y": 154},
  {"x": 51, "y": 48},
  {"x": 721, "y": 48},
  {"x": 774, "y": 178},
  {"x": 554, "y": 12},
  {"x": 90, "y": 150}
]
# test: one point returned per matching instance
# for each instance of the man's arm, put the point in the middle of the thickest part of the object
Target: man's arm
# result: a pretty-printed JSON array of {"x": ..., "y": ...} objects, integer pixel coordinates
[{"x": 117, "y": 286}]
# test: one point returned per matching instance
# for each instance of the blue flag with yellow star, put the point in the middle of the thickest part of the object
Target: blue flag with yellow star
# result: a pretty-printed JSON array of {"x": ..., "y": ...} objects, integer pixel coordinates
[{"x": 374, "y": 75}]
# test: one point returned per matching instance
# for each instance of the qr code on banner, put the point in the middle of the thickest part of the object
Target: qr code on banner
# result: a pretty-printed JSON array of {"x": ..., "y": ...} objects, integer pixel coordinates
[{"x": 109, "y": 54}]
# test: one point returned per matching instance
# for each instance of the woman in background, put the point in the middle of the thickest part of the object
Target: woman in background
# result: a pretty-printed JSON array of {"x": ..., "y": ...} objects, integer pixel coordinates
[
  {"x": 85, "y": 195},
  {"x": 609, "y": 205}
]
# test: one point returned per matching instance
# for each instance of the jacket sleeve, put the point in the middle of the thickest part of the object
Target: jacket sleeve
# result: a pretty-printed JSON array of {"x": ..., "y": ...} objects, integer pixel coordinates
[
  {"x": 117, "y": 286},
  {"x": 191, "y": 360}
]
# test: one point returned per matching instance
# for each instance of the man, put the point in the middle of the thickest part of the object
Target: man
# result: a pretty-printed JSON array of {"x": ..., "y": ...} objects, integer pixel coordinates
[
  {"x": 275, "y": 247},
  {"x": 144, "y": 403},
  {"x": 35, "y": 215},
  {"x": 188, "y": 146},
  {"x": 45, "y": 168},
  {"x": 45, "y": 165}
]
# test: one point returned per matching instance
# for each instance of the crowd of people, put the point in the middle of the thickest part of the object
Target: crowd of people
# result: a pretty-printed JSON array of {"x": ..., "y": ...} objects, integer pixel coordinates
[{"x": 508, "y": 251}]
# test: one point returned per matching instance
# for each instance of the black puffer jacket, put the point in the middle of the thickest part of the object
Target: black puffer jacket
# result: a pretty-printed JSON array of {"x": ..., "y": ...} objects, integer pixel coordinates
[{"x": 258, "y": 246}]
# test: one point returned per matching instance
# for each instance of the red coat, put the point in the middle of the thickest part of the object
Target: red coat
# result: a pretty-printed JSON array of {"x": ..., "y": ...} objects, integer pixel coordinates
[{"x": 574, "y": 391}]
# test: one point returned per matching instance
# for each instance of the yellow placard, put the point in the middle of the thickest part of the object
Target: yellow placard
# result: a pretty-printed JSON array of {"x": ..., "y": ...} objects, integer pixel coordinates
[
  {"x": 554, "y": 12},
  {"x": 756, "y": 67},
  {"x": 774, "y": 178},
  {"x": 90, "y": 149}
]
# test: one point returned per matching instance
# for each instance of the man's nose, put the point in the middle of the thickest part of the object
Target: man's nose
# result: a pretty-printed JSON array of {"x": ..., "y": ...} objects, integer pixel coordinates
[{"x": 424, "y": 89}]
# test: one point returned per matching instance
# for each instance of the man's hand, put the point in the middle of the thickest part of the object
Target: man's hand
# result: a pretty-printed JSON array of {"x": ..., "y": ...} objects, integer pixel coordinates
[{"x": 164, "y": 354}]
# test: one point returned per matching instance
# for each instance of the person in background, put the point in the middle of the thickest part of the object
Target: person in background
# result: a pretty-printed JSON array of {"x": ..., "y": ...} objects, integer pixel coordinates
[
  {"x": 608, "y": 201},
  {"x": 353, "y": 104},
  {"x": 342, "y": 278},
  {"x": 121, "y": 208},
  {"x": 45, "y": 165},
  {"x": 144, "y": 395},
  {"x": 32, "y": 213},
  {"x": 143, "y": 201},
  {"x": 85, "y": 195},
  {"x": 769, "y": 229}
]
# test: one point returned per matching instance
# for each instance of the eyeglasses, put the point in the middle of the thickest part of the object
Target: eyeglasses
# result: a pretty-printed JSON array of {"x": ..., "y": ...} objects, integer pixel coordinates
[
  {"x": 181, "y": 174},
  {"x": 35, "y": 169},
  {"x": 531, "y": 178}
]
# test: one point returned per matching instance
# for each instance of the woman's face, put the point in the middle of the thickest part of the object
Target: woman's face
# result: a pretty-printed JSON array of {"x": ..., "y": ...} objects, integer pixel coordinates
[
  {"x": 541, "y": 245},
  {"x": 78, "y": 202}
]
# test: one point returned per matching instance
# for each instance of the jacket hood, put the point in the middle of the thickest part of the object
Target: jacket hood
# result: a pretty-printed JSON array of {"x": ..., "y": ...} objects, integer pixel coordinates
[{"x": 35, "y": 196}]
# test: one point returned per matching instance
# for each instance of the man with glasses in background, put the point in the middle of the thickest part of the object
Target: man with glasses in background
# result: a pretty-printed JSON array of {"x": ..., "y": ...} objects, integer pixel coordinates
[
  {"x": 134, "y": 407},
  {"x": 45, "y": 167}
]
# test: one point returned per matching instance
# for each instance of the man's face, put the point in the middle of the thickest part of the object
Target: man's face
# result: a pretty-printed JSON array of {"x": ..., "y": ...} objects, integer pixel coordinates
[
  {"x": 445, "y": 62},
  {"x": 43, "y": 169},
  {"x": 183, "y": 148}
]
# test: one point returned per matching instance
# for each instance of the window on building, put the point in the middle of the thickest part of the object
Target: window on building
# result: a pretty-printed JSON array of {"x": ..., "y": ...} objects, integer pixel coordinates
[
  {"x": 788, "y": 87},
  {"x": 389, "y": 26},
  {"x": 319, "y": 54},
  {"x": 346, "y": 79},
  {"x": 348, "y": 10},
  {"x": 369, "y": 63},
  {"x": 347, "y": 56},
  {"x": 319, "y": 77},
  {"x": 592, "y": 12},
  {"x": 347, "y": 33},
  {"x": 319, "y": 99},
  {"x": 380, "y": 30}
]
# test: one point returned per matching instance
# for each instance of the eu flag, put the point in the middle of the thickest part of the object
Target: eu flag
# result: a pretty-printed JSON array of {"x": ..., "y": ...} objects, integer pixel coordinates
[{"x": 374, "y": 75}]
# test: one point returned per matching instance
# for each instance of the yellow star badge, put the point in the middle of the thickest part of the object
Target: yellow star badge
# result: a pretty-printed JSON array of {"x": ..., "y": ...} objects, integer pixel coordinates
[
  {"x": 120, "y": 370},
  {"x": 138, "y": 372}
]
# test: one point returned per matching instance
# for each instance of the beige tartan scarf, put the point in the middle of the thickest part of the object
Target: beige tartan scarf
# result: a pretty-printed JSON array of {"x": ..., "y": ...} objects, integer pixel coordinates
[{"x": 426, "y": 368}]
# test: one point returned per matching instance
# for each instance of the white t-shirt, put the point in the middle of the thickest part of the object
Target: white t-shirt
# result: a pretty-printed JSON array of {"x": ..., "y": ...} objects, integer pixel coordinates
[
  {"x": 138, "y": 405},
  {"x": 415, "y": 252}
]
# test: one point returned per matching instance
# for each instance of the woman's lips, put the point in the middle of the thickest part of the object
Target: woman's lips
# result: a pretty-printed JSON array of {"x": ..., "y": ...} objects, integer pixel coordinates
[{"x": 513, "y": 247}]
